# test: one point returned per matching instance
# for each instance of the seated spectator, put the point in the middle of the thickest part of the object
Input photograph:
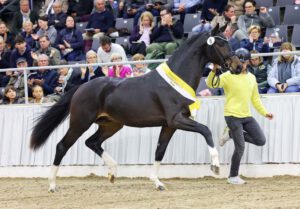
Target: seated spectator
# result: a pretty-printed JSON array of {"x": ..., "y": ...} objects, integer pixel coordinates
[
  {"x": 183, "y": 7},
  {"x": 45, "y": 48},
  {"x": 264, "y": 20},
  {"x": 139, "y": 68},
  {"x": 17, "y": 77},
  {"x": 68, "y": 78},
  {"x": 119, "y": 70},
  {"x": 38, "y": 96},
  {"x": 24, "y": 14},
  {"x": 4, "y": 55},
  {"x": 107, "y": 48},
  {"x": 11, "y": 97},
  {"x": 260, "y": 69},
  {"x": 80, "y": 9},
  {"x": 58, "y": 18},
  {"x": 70, "y": 42},
  {"x": 212, "y": 8},
  {"x": 155, "y": 7},
  {"x": 44, "y": 77},
  {"x": 131, "y": 7},
  {"x": 91, "y": 72},
  {"x": 99, "y": 22},
  {"x": 21, "y": 50},
  {"x": 233, "y": 42},
  {"x": 28, "y": 34},
  {"x": 227, "y": 17},
  {"x": 7, "y": 36},
  {"x": 284, "y": 76},
  {"x": 238, "y": 6},
  {"x": 166, "y": 35},
  {"x": 49, "y": 7},
  {"x": 140, "y": 36},
  {"x": 255, "y": 42},
  {"x": 44, "y": 29}
]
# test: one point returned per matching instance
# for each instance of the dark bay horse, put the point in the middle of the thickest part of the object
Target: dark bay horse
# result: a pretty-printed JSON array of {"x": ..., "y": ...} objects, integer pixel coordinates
[{"x": 145, "y": 101}]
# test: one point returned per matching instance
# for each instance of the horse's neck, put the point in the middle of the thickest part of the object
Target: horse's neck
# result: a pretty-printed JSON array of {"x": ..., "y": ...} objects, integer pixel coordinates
[{"x": 190, "y": 70}]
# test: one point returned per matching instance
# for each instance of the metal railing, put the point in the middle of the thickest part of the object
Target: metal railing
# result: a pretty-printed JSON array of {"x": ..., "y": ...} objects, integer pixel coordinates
[{"x": 77, "y": 65}]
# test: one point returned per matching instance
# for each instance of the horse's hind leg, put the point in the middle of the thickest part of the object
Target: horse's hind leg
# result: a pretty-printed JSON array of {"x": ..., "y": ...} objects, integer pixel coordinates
[
  {"x": 184, "y": 123},
  {"x": 105, "y": 130},
  {"x": 165, "y": 136}
]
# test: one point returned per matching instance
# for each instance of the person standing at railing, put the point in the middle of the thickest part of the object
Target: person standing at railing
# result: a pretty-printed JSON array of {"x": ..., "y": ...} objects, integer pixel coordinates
[{"x": 284, "y": 76}]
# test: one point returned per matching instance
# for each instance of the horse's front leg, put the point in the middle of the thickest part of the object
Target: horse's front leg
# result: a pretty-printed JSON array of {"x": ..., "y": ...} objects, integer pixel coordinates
[
  {"x": 184, "y": 123},
  {"x": 164, "y": 138}
]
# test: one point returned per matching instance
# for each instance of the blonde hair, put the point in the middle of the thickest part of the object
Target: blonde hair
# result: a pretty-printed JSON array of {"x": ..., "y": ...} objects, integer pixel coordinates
[
  {"x": 138, "y": 57},
  {"x": 288, "y": 46},
  {"x": 115, "y": 56},
  {"x": 90, "y": 53},
  {"x": 27, "y": 22},
  {"x": 150, "y": 16},
  {"x": 253, "y": 27}
]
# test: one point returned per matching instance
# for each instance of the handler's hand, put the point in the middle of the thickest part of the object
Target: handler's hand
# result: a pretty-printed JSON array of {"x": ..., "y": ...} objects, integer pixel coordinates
[{"x": 269, "y": 116}]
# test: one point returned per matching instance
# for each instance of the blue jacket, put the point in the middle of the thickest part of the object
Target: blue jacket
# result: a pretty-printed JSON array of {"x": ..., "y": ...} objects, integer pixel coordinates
[
  {"x": 257, "y": 45},
  {"x": 50, "y": 80},
  {"x": 15, "y": 55},
  {"x": 101, "y": 20},
  {"x": 60, "y": 20}
]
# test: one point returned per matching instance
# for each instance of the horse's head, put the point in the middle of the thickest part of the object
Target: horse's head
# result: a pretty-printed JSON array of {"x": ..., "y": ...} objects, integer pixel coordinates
[{"x": 219, "y": 52}]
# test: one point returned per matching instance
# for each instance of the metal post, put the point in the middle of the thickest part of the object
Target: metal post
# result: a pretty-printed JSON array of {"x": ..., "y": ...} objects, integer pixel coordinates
[{"x": 25, "y": 85}]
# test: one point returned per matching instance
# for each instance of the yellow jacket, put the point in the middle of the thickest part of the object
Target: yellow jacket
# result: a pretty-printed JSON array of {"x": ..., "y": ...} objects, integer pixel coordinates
[{"x": 239, "y": 90}]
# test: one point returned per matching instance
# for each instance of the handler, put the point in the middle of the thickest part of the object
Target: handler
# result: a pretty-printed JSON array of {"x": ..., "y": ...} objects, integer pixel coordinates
[{"x": 240, "y": 89}]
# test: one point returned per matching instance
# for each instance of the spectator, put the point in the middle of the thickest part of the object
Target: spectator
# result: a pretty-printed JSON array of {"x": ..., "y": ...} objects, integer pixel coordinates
[
  {"x": 227, "y": 17},
  {"x": 238, "y": 6},
  {"x": 38, "y": 95},
  {"x": 25, "y": 14},
  {"x": 11, "y": 97},
  {"x": 183, "y": 7},
  {"x": 140, "y": 36},
  {"x": 70, "y": 42},
  {"x": 21, "y": 50},
  {"x": 7, "y": 36},
  {"x": 251, "y": 18},
  {"x": 44, "y": 29},
  {"x": 91, "y": 72},
  {"x": 260, "y": 69},
  {"x": 45, "y": 48},
  {"x": 139, "y": 68},
  {"x": 166, "y": 36},
  {"x": 50, "y": 6},
  {"x": 119, "y": 70},
  {"x": 68, "y": 78},
  {"x": 155, "y": 7},
  {"x": 58, "y": 18},
  {"x": 17, "y": 78},
  {"x": 131, "y": 7},
  {"x": 233, "y": 42},
  {"x": 254, "y": 42},
  {"x": 4, "y": 54},
  {"x": 284, "y": 76},
  {"x": 44, "y": 77},
  {"x": 28, "y": 34},
  {"x": 107, "y": 48},
  {"x": 99, "y": 22},
  {"x": 212, "y": 8},
  {"x": 80, "y": 9}
]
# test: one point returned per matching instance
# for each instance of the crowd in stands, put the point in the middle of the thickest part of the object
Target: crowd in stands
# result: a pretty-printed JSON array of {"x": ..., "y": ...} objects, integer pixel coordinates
[{"x": 50, "y": 36}]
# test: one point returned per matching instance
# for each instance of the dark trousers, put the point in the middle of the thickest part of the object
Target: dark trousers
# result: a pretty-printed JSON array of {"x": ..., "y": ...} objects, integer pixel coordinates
[{"x": 243, "y": 130}]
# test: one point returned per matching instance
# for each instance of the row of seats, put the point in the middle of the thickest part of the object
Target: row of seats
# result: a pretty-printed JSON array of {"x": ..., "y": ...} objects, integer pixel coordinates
[{"x": 270, "y": 3}]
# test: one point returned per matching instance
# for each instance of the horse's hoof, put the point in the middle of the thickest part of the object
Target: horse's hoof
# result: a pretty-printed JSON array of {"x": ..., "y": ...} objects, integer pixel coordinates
[
  {"x": 160, "y": 188},
  {"x": 111, "y": 178},
  {"x": 52, "y": 190},
  {"x": 215, "y": 169}
]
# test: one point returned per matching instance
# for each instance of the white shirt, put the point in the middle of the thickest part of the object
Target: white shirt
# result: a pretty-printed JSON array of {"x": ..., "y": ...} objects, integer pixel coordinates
[{"x": 103, "y": 56}]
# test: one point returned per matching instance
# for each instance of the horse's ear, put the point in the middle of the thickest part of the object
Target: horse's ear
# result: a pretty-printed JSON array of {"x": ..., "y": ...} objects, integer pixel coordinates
[
  {"x": 222, "y": 29},
  {"x": 215, "y": 31}
]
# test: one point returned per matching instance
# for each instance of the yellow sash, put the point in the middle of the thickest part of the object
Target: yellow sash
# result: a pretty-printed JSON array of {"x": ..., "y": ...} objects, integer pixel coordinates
[{"x": 180, "y": 86}]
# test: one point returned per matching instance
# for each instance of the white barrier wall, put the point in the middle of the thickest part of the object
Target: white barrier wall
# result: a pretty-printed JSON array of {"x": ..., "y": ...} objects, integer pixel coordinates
[{"x": 137, "y": 146}]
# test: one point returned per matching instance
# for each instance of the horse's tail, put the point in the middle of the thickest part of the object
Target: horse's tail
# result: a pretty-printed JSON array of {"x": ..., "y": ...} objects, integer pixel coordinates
[{"x": 50, "y": 120}]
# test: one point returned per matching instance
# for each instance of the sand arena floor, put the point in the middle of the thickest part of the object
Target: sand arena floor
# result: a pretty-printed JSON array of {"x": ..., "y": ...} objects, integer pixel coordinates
[{"x": 94, "y": 192}]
